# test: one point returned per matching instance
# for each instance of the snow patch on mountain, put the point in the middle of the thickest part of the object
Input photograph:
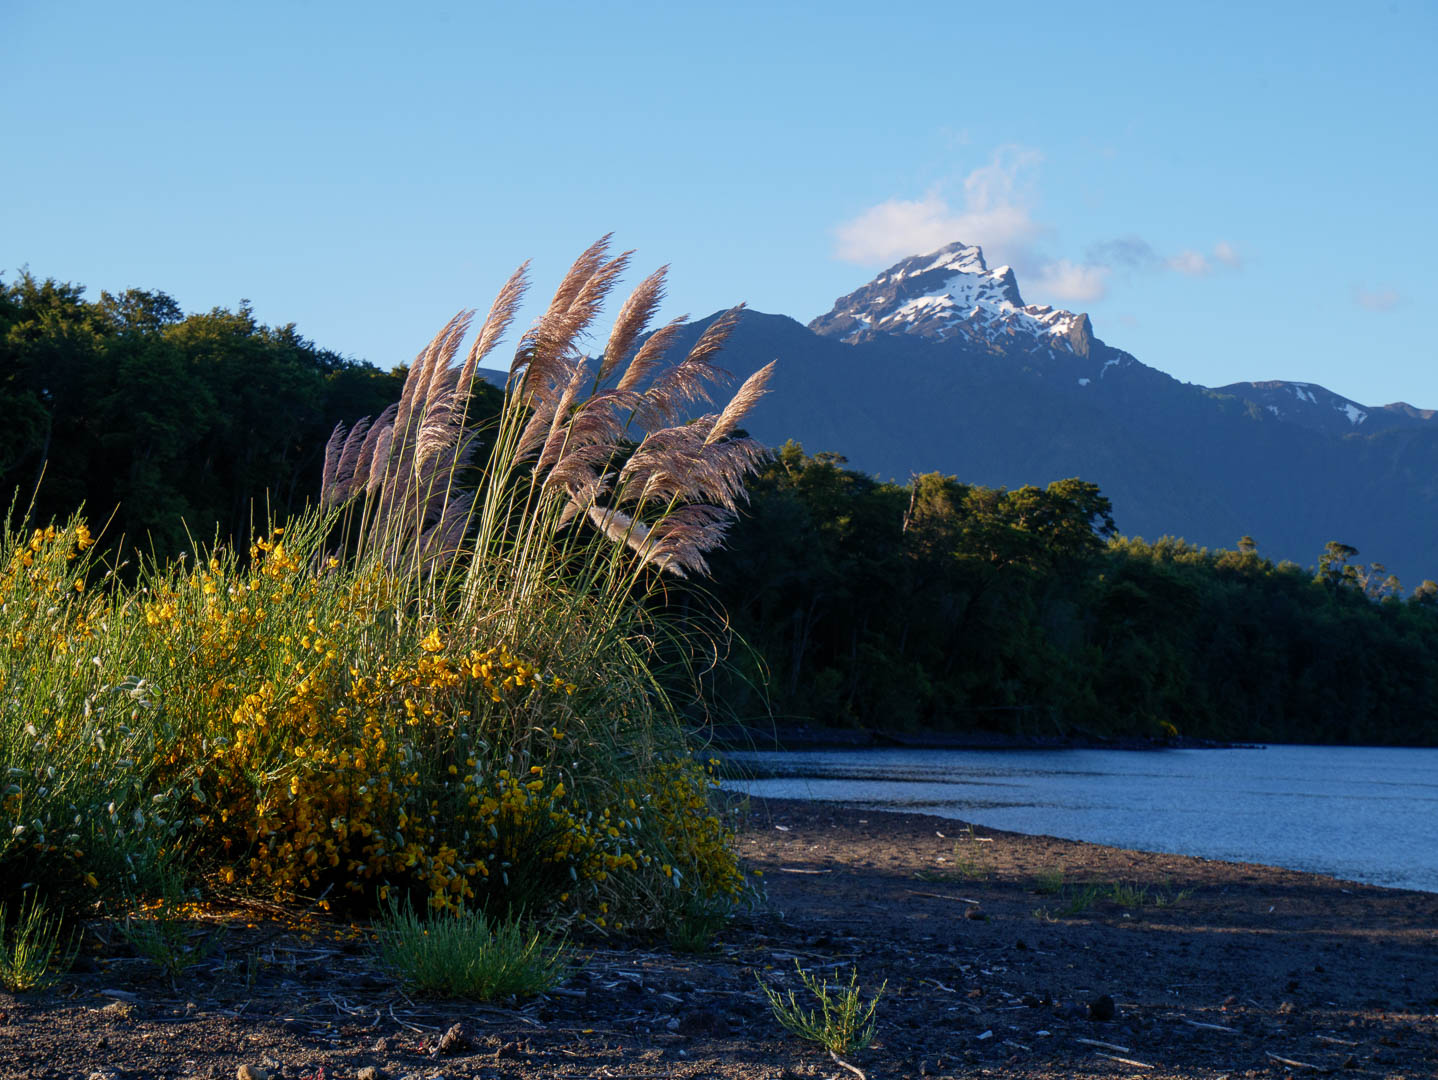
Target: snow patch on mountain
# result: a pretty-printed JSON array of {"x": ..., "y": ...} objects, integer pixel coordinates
[{"x": 951, "y": 293}]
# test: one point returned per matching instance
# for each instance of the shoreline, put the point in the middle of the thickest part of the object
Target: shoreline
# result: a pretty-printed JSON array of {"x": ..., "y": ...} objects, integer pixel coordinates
[
  {"x": 1003, "y": 954},
  {"x": 800, "y": 737}
]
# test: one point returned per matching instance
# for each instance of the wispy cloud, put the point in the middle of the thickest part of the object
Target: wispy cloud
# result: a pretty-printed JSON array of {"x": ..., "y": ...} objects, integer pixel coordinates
[
  {"x": 1125, "y": 253},
  {"x": 1065, "y": 280},
  {"x": 994, "y": 207},
  {"x": 1377, "y": 299},
  {"x": 994, "y": 211},
  {"x": 1190, "y": 262},
  {"x": 1135, "y": 254}
]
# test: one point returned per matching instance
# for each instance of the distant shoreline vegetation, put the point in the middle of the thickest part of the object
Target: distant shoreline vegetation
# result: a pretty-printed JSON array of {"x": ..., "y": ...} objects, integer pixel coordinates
[{"x": 929, "y": 606}]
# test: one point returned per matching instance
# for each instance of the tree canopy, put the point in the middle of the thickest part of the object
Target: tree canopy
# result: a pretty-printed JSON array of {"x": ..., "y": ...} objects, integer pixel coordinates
[{"x": 175, "y": 423}]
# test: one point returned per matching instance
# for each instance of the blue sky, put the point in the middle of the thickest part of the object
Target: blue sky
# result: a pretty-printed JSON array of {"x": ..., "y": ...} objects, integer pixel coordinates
[{"x": 1230, "y": 193}]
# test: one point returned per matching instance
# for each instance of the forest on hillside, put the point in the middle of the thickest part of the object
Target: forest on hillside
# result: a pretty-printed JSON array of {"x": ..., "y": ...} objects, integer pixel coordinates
[
  {"x": 933, "y": 604},
  {"x": 941, "y": 605}
]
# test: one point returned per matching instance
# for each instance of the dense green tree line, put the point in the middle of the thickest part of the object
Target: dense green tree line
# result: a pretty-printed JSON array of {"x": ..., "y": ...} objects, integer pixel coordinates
[
  {"x": 172, "y": 422},
  {"x": 942, "y": 605}
]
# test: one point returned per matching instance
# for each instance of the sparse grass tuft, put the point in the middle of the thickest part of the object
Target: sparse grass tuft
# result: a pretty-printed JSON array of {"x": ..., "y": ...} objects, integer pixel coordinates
[
  {"x": 691, "y": 929},
  {"x": 1128, "y": 894},
  {"x": 467, "y": 955},
  {"x": 32, "y": 956},
  {"x": 970, "y": 861},
  {"x": 1075, "y": 900},
  {"x": 841, "y": 1024},
  {"x": 160, "y": 932},
  {"x": 1049, "y": 882}
]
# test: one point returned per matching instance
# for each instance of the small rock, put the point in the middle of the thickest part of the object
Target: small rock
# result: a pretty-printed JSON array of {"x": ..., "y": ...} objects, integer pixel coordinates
[
  {"x": 369, "y": 1072},
  {"x": 252, "y": 1072},
  {"x": 1101, "y": 1009},
  {"x": 118, "y": 1010},
  {"x": 452, "y": 1041},
  {"x": 977, "y": 914},
  {"x": 702, "y": 1022}
]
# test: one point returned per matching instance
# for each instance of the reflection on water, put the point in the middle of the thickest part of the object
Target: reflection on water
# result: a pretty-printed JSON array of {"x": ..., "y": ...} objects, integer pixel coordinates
[{"x": 1362, "y": 813}]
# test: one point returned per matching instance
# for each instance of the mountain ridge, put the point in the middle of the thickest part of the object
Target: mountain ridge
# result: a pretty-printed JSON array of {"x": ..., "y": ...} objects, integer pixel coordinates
[{"x": 998, "y": 398}]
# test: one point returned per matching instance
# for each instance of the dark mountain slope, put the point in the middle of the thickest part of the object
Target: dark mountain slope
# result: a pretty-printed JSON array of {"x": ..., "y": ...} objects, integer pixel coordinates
[{"x": 1174, "y": 458}]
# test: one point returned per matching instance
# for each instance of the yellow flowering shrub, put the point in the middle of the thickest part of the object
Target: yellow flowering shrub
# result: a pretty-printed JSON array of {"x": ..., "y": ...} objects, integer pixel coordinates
[
  {"x": 293, "y": 728},
  {"x": 74, "y": 807},
  {"x": 696, "y": 836}
]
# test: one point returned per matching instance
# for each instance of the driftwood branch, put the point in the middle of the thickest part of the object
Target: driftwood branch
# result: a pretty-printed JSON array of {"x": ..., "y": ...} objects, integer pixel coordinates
[
  {"x": 1127, "y": 1061},
  {"x": 941, "y": 896},
  {"x": 1115, "y": 1047},
  {"x": 1209, "y": 1027},
  {"x": 845, "y": 1065},
  {"x": 1291, "y": 1063}
]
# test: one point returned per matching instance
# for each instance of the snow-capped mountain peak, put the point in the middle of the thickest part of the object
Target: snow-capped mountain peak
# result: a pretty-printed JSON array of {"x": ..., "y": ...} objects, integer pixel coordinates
[{"x": 952, "y": 295}]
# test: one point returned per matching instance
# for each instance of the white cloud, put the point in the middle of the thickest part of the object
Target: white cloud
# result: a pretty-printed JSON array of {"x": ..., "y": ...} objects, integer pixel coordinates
[
  {"x": 1189, "y": 262},
  {"x": 994, "y": 212},
  {"x": 1377, "y": 299},
  {"x": 1224, "y": 252},
  {"x": 1067, "y": 280}
]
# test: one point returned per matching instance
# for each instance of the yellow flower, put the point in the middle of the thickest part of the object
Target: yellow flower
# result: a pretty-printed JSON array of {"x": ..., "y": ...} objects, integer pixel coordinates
[{"x": 431, "y": 643}]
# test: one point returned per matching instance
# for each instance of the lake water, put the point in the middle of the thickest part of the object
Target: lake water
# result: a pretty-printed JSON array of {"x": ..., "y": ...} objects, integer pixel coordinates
[{"x": 1362, "y": 813}]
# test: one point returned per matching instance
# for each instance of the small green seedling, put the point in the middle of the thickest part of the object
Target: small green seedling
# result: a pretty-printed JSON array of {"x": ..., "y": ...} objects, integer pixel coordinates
[{"x": 841, "y": 1024}]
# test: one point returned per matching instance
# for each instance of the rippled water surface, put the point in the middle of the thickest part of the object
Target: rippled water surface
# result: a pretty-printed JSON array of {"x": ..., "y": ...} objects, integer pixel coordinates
[{"x": 1361, "y": 813}]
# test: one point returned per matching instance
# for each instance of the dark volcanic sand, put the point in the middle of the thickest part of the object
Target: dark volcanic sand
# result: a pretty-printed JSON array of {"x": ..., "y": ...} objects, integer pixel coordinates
[{"x": 1241, "y": 966}]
